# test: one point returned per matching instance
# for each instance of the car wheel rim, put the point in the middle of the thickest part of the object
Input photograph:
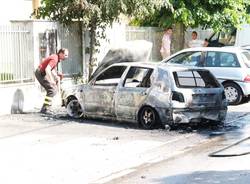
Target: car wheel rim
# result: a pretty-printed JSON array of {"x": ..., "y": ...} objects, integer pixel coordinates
[
  {"x": 148, "y": 117},
  {"x": 231, "y": 94},
  {"x": 74, "y": 109}
]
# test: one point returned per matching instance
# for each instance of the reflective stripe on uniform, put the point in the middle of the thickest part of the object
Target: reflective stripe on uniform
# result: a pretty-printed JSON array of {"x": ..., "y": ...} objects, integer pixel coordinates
[{"x": 48, "y": 100}]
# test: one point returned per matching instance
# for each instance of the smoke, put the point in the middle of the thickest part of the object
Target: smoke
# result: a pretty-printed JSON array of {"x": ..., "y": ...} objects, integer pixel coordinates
[{"x": 130, "y": 51}]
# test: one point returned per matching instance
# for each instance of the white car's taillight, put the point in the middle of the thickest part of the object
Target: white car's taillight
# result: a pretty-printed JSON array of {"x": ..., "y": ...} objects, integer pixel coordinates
[{"x": 247, "y": 78}]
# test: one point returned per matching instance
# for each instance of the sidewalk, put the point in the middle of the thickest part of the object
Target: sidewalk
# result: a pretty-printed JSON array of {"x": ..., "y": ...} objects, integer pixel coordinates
[{"x": 196, "y": 166}]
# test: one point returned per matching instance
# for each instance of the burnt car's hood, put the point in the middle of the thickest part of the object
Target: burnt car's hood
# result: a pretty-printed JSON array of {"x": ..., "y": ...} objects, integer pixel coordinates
[{"x": 131, "y": 51}]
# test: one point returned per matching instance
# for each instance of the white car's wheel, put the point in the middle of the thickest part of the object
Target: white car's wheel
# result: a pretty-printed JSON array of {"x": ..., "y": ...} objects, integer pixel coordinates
[
  {"x": 233, "y": 93},
  {"x": 74, "y": 109}
]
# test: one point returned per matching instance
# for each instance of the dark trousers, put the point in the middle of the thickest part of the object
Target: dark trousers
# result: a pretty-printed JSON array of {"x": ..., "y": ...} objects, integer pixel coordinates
[{"x": 51, "y": 89}]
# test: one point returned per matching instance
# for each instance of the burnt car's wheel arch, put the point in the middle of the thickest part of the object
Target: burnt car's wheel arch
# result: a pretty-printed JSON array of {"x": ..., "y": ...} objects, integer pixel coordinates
[
  {"x": 153, "y": 117},
  {"x": 73, "y": 107},
  {"x": 69, "y": 98},
  {"x": 234, "y": 88}
]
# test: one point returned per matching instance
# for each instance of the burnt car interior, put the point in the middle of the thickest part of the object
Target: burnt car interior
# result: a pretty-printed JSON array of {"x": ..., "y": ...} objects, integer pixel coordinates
[
  {"x": 110, "y": 77},
  {"x": 138, "y": 77}
]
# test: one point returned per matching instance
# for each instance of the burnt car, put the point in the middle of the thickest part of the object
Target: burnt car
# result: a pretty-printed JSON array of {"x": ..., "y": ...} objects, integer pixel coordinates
[{"x": 149, "y": 94}]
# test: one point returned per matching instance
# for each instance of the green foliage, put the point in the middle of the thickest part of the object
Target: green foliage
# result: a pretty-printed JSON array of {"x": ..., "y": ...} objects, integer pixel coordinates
[
  {"x": 96, "y": 12},
  {"x": 95, "y": 15},
  {"x": 216, "y": 14}
]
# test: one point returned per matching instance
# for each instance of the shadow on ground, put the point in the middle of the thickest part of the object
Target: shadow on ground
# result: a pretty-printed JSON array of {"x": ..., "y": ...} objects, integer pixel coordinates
[
  {"x": 208, "y": 177},
  {"x": 202, "y": 128},
  {"x": 103, "y": 122}
]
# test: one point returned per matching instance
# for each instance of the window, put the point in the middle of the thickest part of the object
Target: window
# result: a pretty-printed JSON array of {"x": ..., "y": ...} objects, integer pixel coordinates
[
  {"x": 210, "y": 60},
  {"x": 221, "y": 59},
  {"x": 138, "y": 77},
  {"x": 187, "y": 58},
  {"x": 111, "y": 76},
  {"x": 194, "y": 79},
  {"x": 228, "y": 38},
  {"x": 228, "y": 60},
  {"x": 223, "y": 38},
  {"x": 246, "y": 58},
  {"x": 214, "y": 37}
]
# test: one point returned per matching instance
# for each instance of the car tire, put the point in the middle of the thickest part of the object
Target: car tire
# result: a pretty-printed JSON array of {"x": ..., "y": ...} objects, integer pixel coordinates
[
  {"x": 233, "y": 93},
  {"x": 148, "y": 118},
  {"x": 74, "y": 109}
]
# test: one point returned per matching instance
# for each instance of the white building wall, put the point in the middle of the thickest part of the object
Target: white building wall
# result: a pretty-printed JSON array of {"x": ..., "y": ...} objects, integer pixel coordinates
[
  {"x": 115, "y": 38},
  {"x": 15, "y": 10}
]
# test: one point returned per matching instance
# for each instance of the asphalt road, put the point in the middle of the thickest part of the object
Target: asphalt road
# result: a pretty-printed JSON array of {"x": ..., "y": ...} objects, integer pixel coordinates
[
  {"x": 229, "y": 164},
  {"x": 41, "y": 149}
]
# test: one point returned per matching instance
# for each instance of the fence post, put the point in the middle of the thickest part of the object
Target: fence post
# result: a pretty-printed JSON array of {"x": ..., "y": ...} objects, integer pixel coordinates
[{"x": 20, "y": 54}]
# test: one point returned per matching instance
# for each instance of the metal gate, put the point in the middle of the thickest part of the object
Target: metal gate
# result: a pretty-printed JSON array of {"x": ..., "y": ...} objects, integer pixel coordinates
[{"x": 16, "y": 60}]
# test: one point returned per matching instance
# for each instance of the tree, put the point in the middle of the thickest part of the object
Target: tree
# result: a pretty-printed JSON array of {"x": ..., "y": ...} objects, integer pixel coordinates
[
  {"x": 220, "y": 15},
  {"x": 95, "y": 14},
  {"x": 216, "y": 14}
]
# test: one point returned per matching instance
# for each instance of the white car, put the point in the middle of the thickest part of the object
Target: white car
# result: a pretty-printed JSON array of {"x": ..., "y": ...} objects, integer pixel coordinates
[
  {"x": 230, "y": 65},
  {"x": 246, "y": 47}
]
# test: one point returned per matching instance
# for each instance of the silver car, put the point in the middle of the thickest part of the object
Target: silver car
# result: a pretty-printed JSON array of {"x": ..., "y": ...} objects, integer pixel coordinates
[
  {"x": 230, "y": 65},
  {"x": 149, "y": 94}
]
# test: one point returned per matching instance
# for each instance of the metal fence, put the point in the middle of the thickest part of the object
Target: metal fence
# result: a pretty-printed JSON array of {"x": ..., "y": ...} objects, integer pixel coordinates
[
  {"x": 17, "y": 50},
  {"x": 70, "y": 38},
  {"x": 15, "y": 56}
]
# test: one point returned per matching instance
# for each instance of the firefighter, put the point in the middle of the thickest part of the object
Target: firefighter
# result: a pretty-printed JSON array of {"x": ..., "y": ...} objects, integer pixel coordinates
[{"x": 48, "y": 77}]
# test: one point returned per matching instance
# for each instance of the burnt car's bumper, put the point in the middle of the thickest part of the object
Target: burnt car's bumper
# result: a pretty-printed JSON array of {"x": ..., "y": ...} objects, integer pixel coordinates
[{"x": 196, "y": 115}]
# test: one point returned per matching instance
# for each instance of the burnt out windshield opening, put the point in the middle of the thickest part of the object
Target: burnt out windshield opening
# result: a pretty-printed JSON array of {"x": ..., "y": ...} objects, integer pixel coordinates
[{"x": 195, "y": 79}]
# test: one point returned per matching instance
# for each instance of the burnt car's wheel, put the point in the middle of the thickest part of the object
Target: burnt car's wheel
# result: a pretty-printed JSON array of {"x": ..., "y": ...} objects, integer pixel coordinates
[
  {"x": 148, "y": 118},
  {"x": 74, "y": 109},
  {"x": 233, "y": 93}
]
